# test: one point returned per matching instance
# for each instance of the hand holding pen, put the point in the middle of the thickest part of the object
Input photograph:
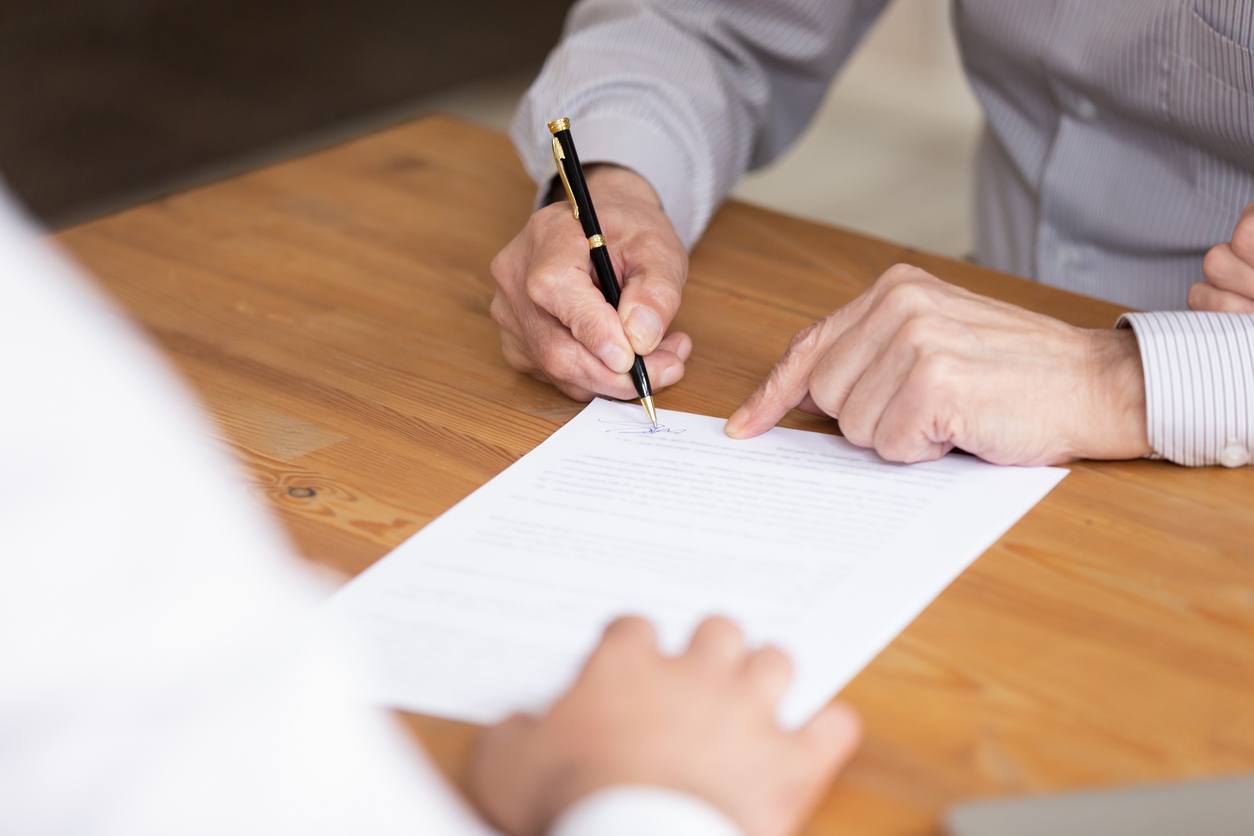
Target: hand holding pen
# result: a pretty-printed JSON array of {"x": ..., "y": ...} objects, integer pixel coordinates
[
  {"x": 572, "y": 177},
  {"x": 553, "y": 316}
]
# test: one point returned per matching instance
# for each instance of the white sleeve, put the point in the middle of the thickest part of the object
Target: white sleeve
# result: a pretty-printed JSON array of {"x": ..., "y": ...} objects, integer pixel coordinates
[
  {"x": 165, "y": 666},
  {"x": 632, "y": 811},
  {"x": 688, "y": 94},
  {"x": 1199, "y": 384},
  {"x": 162, "y": 665}
]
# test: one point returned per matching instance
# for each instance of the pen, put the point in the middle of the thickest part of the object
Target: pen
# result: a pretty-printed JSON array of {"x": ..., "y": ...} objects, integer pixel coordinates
[{"x": 571, "y": 174}]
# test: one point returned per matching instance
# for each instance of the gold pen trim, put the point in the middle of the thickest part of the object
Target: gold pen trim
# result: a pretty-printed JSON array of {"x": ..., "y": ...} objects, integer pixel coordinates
[
  {"x": 558, "y": 156},
  {"x": 595, "y": 241},
  {"x": 559, "y": 125},
  {"x": 647, "y": 403}
]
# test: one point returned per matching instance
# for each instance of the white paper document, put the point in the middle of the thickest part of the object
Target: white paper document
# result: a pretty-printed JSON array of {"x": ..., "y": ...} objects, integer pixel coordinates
[{"x": 805, "y": 540}]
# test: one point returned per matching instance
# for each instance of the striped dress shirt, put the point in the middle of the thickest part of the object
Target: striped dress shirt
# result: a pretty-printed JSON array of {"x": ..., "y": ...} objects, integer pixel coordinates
[{"x": 1119, "y": 147}]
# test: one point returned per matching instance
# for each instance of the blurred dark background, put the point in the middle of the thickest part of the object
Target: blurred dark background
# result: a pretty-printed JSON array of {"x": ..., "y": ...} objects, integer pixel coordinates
[{"x": 107, "y": 102}]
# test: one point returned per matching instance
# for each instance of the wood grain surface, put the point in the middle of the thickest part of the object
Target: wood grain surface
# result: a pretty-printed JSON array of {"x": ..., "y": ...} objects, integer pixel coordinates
[{"x": 331, "y": 313}]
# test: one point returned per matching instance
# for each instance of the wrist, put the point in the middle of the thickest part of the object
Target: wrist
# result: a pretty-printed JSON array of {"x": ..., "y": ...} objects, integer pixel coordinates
[
  {"x": 615, "y": 179},
  {"x": 1114, "y": 425},
  {"x": 606, "y": 178}
]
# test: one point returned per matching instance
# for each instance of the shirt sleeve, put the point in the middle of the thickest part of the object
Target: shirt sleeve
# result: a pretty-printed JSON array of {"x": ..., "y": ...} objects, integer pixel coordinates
[
  {"x": 630, "y": 811},
  {"x": 1199, "y": 384},
  {"x": 688, "y": 94},
  {"x": 164, "y": 663}
]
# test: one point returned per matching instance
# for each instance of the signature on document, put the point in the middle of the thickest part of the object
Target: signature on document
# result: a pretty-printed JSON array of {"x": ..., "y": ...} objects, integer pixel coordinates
[{"x": 639, "y": 428}]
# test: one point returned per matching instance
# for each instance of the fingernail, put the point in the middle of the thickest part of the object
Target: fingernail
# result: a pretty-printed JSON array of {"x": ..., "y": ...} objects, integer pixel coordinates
[
  {"x": 616, "y": 357},
  {"x": 684, "y": 350},
  {"x": 734, "y": 427},
  {"x": 644, "y": 329},
  {"x": 670, "y": 375}
]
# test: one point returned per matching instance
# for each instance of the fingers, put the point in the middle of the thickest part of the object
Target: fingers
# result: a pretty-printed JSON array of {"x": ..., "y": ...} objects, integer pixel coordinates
[
  {"x": 912, "y": 426},
  {"x": 653, "y": 284},
  {"x": 560, "y": 327},
  {"x": 769, "y": 671},
  {"x": 628, "y": 643},
  {"x": 784, "y": 388},
  {"x": 630, "y": 630},
  {"x": 831, "y": 736},
  {"x": 625, "y": 639},
  {"x": 1229, "y": 271},
  {"x": 716, "y": 643},
  {"x": 902, "y": 312},
  {"x": 719, "y": 645},
  {"x": 1207, "y": 297},
  {"x": 848, "y": 341},
  {"x": 546, "y": 350},
  {"x": 566, "y": 290},
  {"x": 1243, "y": 236},
  {"x": 666, "y": 364},
  {"x": 1225, "y": 270},
  {"x": 862, "y": 410}
]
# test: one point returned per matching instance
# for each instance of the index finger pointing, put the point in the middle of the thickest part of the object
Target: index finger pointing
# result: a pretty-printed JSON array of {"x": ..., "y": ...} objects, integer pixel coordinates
[{"x": 784, "y": 388}]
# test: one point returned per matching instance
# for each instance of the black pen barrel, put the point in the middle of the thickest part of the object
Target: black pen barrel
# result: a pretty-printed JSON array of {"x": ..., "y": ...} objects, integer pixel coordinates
[{"x": 571, "y": 174}]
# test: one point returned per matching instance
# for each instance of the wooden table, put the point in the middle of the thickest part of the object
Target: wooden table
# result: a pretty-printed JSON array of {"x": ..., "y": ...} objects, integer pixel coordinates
[{"x": 331, "y": 311}]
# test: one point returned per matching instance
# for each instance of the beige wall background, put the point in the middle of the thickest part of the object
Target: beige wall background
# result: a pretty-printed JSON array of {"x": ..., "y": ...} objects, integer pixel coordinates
[{"x": 889, "y": 153}]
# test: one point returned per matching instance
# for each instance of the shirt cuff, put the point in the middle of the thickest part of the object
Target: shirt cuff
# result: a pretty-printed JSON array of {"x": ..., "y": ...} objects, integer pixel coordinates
[
  {"x": 631, "y": 811},
  {"x": 630, "y": 143},
  {"x": 1199, "y": 384}
]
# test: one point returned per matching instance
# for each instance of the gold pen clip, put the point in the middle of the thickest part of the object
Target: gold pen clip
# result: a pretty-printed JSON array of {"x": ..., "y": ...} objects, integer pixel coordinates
[{"x": 558, "y": 156}]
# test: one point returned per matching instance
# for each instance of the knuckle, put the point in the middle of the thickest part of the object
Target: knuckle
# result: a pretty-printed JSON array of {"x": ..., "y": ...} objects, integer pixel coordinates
[
  {"x": 936, "y": 372},
  {"x": 503, "y": 265},
  {"x": 907, "y": 297},
  {"x": 919, "y": 331},
  {"x": 541, "y": 286},
  {"x": 900, "y": 273},
  {"x": 499, "y": 310},
  {"x": 497, "y": 266},
  {"x": 829, "y": 400}
]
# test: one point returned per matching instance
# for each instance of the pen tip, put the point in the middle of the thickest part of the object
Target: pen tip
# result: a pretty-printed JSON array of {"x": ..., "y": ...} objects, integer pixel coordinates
[{"x": 647, "y": 403}]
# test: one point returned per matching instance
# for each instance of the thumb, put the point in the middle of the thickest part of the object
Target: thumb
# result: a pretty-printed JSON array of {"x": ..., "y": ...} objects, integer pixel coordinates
[
  {"x": 784, "y": 388},
  {"x": 831, "y": 736},
  {"x": 653, "y": 285}
]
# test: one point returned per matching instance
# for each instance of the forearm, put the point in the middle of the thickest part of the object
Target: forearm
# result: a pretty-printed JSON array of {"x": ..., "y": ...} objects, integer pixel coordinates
[{"x": 687, "y": 95}]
